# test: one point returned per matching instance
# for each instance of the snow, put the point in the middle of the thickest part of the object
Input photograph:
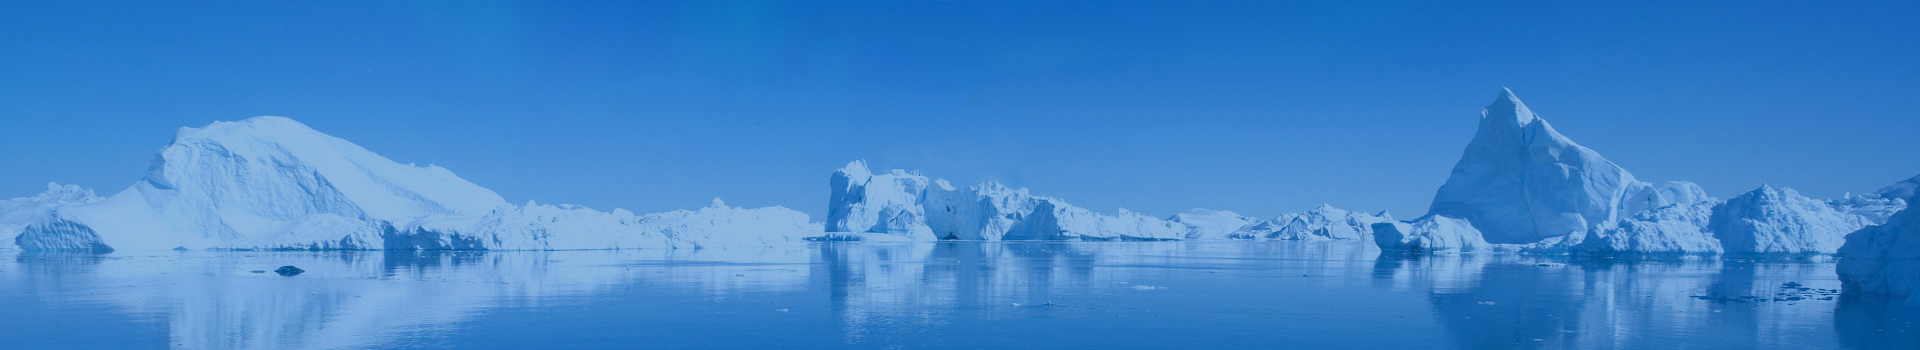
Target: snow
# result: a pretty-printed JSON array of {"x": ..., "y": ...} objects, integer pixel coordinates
[
  {"x": 273, "y": 183},
  {"x": 863, "y": 205}
]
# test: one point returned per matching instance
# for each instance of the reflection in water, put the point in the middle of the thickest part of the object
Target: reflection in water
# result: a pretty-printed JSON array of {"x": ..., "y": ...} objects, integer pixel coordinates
[
  {"x": 957, "y": 295},
  {"x": 1503, "y": 301}
]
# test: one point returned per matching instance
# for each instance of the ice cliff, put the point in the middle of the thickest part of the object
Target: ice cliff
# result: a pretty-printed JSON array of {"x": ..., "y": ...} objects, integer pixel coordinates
[
  {"x": 274, "y": 183},
  {"x": 1885, "y": 258},
  {"x": 899, "y": 205},
  {"x": 1522, "y": 186}
]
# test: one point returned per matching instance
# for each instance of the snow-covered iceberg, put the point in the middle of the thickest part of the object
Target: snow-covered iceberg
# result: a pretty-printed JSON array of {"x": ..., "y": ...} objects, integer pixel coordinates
[
  {"x": 273, "y": 183},
  {"x": 1208, "y": 224},
  {"x": 17, "y": 213},
  {"x": 1522, "y": 186},
  {"x": 1320, "y": 224},
  {"x": 1520, "y": 181},
  {"x": 1769, "y": 220},
  {"x": 1884, "y": 259},
  {"x": 899, "y": 205}
]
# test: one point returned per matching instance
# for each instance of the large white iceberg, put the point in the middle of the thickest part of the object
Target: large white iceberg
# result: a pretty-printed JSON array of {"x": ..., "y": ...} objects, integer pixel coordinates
[
  {"x": 1521, "y": 186},
  {"x": 899, "y": 205},
  {"x": 1520, "y": 181},
  {"x": 273, "y": 183},
  {"x": 1208, "y": 224}
]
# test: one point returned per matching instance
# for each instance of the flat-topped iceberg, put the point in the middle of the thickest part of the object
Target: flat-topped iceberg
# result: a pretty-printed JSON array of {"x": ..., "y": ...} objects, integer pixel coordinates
[
  {"x": 899, "y": 205},
  {"x": 273, "y": 183}
]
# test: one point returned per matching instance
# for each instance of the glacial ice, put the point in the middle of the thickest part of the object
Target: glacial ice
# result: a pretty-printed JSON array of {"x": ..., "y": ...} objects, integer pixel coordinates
[
  {"x": 1208, "y": 224},
  {"x": 1320, "y": 224},
  {"x": 908, "y": 206},
  {"x": 17, "y": 213},
  {"x": 1521, "y": 186},
  {"x": 1885, "y": 258},
  {"x": 1769, "y": 220},
  {"x": 1520, "y": 181},
  {"x": 273, "y": 183}
]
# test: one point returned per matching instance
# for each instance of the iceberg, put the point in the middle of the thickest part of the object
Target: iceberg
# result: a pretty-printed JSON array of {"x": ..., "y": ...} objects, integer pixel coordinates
[
  {"x": 1320, "y": 224},
  {"x": 1520, "y": 181},
  {"x": 900, "y": 205},
  {"x": 1430, "y": 233},
  {"x": 17, "y": 213},
  {"x": 1522, "y": 186},
  {"x": 1208, "y": 224},
  {"x": 1884, "y": 259},
  {"x": 1769, "y": 220},
  {"x": 274, "y": 183},
  {"x": 1670, "y": 230}
]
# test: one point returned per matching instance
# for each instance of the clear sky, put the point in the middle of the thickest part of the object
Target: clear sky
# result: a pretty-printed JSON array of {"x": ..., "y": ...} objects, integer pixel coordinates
[{"x": 1258, "y": 106}]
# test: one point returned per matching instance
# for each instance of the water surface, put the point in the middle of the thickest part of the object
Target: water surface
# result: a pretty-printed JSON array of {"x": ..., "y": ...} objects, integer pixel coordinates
[{"x": 955, "y": 295}]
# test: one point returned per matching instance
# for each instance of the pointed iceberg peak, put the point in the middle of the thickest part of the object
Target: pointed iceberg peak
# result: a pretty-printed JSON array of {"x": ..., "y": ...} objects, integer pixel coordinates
[
  {"x": 855, "y": 171},
  {"x": 1506, "y": 111},
  {"x": 717, "y": 203},
  {"x": 1519, "y": 181}
]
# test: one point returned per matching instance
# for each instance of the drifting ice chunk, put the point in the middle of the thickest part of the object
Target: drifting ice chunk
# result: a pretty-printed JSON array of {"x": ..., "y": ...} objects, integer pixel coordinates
[{"x": 1429, "y": 233}]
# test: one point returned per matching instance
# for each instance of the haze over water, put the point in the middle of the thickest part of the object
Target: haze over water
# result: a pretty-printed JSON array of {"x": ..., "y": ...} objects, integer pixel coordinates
[{"x": 944, "y": 295}]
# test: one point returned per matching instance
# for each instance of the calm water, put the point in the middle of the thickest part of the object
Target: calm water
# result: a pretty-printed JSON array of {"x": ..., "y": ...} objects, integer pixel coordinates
[{"x": 933, "y": 296}]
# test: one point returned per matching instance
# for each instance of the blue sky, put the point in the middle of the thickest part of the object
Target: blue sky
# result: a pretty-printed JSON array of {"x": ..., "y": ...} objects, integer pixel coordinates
[{"x": 1258, "y": 107}]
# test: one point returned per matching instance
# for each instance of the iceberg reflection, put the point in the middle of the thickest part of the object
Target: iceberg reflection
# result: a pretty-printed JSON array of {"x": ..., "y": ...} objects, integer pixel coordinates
[{"x": 936, "y": 295}]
